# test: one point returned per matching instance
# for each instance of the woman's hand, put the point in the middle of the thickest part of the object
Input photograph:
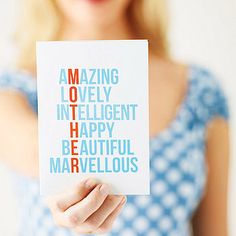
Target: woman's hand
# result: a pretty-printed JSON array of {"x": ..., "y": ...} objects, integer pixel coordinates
[{"x": 88, "y": 208}]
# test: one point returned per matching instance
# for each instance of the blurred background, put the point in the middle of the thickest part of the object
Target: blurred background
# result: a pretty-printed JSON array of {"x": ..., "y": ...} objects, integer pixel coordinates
[{"x": 202, "y": 32}]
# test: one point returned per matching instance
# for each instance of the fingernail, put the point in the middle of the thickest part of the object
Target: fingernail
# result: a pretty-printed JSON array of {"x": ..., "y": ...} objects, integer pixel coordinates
[
  {"x": 90, "y": 183},
  {"x": 104, "y": 189}
]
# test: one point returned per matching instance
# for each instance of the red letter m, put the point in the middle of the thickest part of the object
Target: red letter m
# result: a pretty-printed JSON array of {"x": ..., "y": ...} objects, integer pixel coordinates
[{"x": 73, "y": 78}]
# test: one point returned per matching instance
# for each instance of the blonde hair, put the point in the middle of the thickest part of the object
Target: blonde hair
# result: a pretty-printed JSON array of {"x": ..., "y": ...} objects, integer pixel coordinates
[{"x": 40, "y": 20}]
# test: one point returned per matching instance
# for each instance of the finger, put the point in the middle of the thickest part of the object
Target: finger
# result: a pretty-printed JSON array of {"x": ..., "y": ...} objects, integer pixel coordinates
[
  {"x": 99, "y": 216},
  {"x": 106, "y": 226},
  {"x": 78, "y": 213},
  {"x": 77, "y": 194}
]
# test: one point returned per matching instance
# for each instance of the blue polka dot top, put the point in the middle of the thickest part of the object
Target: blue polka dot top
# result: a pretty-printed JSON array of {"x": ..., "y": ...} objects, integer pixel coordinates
[{"x": 177, "y": 161}]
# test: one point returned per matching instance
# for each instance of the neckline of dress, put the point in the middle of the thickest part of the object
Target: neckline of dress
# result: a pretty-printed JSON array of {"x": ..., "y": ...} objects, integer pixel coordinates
[{"x": 180, "y": 107}]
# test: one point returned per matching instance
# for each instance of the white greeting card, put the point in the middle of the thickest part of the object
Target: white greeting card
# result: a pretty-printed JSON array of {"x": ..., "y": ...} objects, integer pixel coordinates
[{"x": 93, "y": 114}]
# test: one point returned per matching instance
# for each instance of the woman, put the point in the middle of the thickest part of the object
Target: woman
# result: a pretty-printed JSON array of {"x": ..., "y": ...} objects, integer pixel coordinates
[{"x": 188, "y": 129}]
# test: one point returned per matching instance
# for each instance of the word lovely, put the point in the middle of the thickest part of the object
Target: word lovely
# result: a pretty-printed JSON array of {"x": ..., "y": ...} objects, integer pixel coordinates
[{"x": 92, "y": 120}]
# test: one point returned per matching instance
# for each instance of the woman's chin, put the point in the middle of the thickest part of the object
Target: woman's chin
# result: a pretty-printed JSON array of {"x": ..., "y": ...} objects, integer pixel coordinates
[{"x": 92, "y": 21}]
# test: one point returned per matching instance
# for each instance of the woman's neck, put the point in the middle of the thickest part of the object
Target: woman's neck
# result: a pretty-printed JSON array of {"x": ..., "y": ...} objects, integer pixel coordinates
[{"x": 120, "y": 29}]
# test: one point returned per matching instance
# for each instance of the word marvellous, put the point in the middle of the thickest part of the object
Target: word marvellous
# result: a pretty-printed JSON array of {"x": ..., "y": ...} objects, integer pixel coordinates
[
  {"x": 92, "y": 118},
  {"x": 94, "y": 165}
]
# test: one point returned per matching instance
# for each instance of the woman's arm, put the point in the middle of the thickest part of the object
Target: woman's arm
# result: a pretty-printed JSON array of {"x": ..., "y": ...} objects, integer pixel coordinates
[
  {"x": 211, "y": 216},
  {"x": 18, "y": 133}
]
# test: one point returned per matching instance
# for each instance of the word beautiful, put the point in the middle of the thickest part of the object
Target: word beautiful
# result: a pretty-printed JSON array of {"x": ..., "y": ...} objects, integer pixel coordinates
[{"x": 85, "y": 104}]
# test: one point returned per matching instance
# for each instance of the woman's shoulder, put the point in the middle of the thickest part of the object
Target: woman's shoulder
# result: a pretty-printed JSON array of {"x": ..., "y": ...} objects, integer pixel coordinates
[
  {"x": 21, "y": 82},
  {"x": 203, "y": 78},
  {"x": 17, "y": 79},
  {"x": 206, "y": 94}
]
